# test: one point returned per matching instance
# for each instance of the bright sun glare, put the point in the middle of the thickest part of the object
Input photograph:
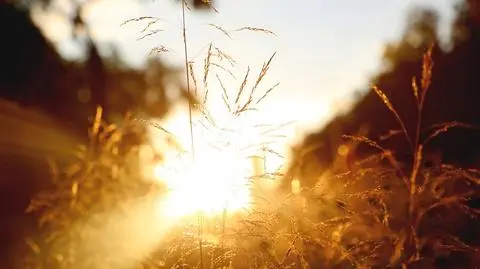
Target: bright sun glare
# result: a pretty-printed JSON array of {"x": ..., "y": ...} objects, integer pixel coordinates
[{"x": 218, "y": 176}]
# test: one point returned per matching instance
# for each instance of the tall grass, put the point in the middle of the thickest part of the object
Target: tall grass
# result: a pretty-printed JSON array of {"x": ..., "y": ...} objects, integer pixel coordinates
[
  {"x": 101, "y": 177},
  {"x": 407, "y": 213},
  {"x": 105, "y": 177}
]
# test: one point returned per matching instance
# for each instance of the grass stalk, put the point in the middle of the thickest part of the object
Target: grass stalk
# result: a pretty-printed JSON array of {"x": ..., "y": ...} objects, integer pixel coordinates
[{"x": 187, "y": 77}]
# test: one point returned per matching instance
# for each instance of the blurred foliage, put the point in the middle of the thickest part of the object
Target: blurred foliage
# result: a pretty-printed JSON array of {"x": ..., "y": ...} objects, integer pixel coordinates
[
  {"x": 102, "y": 180},
  {"x": 196, "y": 4},
  {"x": 200, "y": 4},
  {"x": 35, "y": 75},
  {"x": 451, "y": 98}
]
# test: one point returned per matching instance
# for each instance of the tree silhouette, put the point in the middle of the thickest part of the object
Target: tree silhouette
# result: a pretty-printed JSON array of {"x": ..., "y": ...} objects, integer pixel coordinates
[{"x": 452, "y": 96}]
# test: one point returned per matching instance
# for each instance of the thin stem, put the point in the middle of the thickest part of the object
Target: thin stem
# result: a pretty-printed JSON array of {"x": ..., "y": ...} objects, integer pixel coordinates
[
  {"x": 419, "y": 121},
  {"x": 200, "y": 239},
  {"x": 418, "y": 149},
  {"x": 224, "y": 220},
  {"x": 187, "y": 75}
]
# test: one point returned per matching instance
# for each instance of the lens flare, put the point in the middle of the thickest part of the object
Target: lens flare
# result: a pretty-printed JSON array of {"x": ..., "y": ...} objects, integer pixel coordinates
[
  {"x": 210, "y": 184},
  {"x": 217, "y": 175}
]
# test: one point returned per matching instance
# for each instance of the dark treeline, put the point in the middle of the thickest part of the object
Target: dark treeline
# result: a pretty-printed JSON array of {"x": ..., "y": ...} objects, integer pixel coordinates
[{"x": 453, "y": 96}]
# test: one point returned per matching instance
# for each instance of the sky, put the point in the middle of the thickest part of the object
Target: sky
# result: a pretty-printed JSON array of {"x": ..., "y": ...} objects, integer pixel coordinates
[{"x": 325, "y": 49}]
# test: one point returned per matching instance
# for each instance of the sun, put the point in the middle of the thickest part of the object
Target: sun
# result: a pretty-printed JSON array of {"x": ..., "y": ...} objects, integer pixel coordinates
[
  {"x": 210, "y": 184},
  {"x": 215, "y": 177}
]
